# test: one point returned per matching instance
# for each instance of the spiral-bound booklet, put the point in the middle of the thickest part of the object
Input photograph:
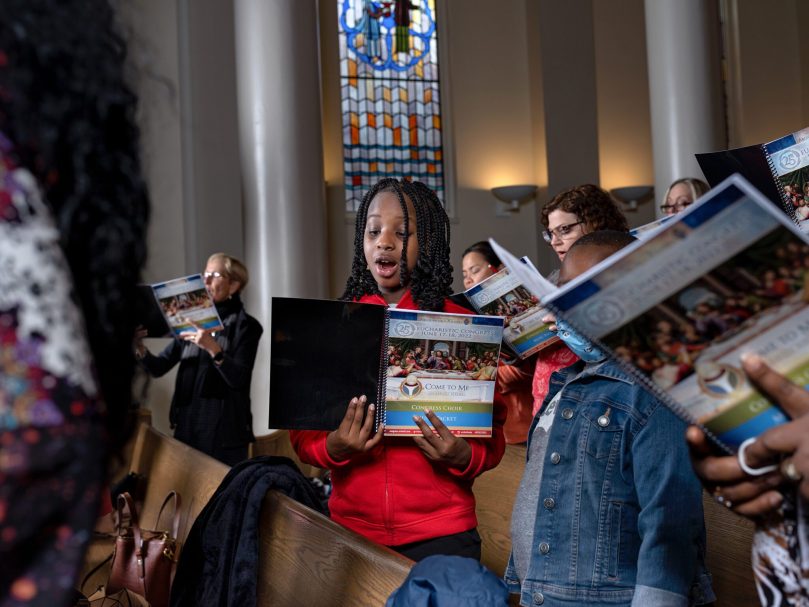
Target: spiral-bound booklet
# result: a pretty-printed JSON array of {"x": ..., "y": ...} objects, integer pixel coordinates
[
  {"x": 725, "y": 277},
  {"x": 186, "y": 305},
  {"x": 324, "y": 353},
  {"x": 502, "y": 294},
  {"x": 779, "y": 169}
]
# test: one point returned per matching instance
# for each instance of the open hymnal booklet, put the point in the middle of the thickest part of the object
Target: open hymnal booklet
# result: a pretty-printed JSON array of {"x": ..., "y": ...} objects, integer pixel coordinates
[
  {"x": 779, "y": 169},
  {"x": 679, "y": 308},
  {"x": 502, "y": 294},
  {"x": 186, "y": 305},
  {"x": 323, "y": 353}
]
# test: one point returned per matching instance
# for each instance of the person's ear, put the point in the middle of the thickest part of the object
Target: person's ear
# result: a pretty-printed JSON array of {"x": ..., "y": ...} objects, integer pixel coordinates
[{"x": 235, "y": 285}]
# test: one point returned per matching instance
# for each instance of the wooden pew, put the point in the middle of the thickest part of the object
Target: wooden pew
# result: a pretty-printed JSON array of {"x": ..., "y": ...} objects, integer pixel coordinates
[
  {"x": 729, "y": 536},
  {"x": 495, "y": 491},
  {"x": 304, "y": 557},
  {"x": 728, "y": 558}
]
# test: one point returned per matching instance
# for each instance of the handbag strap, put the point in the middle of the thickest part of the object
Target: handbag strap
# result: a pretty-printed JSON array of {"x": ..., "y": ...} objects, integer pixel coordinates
[
  {"x": 175, "y": 519},
  {"x": 125, "y": 502}
]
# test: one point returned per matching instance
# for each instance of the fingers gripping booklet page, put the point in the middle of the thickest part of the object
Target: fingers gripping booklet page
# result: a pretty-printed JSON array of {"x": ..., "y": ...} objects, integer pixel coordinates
[{"x": 680, "y": 308}]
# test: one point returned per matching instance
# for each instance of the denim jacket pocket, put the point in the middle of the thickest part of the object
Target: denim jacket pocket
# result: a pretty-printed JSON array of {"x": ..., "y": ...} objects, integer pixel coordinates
[{"x": 605, "y": 431}]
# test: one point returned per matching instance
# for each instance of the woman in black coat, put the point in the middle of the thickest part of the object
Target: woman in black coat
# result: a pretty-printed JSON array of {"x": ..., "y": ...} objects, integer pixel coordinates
[{"x": 210, "y": 409}]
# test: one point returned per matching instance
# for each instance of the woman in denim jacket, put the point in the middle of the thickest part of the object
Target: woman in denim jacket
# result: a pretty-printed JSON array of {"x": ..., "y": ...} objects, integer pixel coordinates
[{"x": 609, "y": 511}]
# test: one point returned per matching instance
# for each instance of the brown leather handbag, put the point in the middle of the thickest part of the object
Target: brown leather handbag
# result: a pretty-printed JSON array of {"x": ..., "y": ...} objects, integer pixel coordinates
[{"x": 143, "y": 560}]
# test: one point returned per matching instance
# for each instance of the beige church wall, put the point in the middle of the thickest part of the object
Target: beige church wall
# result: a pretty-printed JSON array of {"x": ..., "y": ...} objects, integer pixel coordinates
[
  {"x": 151, "y": 27},
  {"x": 622, "y": 86},
  {"x": 768, "y": 69},
  {"x": 183, "y": 70}
]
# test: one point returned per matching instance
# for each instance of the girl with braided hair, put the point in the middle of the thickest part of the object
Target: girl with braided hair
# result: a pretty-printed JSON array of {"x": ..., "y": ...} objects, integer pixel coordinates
[{"x": 413, "y": 494}]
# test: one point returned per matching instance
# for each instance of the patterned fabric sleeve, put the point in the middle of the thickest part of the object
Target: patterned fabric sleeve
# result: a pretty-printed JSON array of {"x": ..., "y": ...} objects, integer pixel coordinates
[
  {"x": 52, "y": 442},
  {"x": 781, "y": 556}
]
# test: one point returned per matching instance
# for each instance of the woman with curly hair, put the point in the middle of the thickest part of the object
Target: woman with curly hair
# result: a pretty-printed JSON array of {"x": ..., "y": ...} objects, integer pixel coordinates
[
  {"x": 567, "y": 217},
  {"x": 578, "y": 211},
  {"x": 73, "y": 213},
  {"x": 412, "y": 494}
]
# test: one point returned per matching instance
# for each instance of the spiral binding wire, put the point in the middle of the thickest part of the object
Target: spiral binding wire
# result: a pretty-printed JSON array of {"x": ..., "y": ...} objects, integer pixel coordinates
[
  {"x": 786, "y": 203},
  {"x": 381, "y": 390},
  {"x": 646, "y": 382}
]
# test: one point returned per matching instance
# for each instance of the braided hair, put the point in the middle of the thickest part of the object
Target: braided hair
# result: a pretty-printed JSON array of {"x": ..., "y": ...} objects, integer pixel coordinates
[
  {"x": 431, "y": 279},
  {"x": 70, "y": 116}
]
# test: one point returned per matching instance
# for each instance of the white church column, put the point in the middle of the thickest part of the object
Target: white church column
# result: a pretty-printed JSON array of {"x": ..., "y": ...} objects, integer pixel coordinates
[
  {"x": 278, "y": 81},
  {"x": 682, "y": 42}
]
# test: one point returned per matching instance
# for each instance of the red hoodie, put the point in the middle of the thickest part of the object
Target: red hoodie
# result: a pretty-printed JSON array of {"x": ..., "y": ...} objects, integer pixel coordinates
[{"x": 393, "y": 494}]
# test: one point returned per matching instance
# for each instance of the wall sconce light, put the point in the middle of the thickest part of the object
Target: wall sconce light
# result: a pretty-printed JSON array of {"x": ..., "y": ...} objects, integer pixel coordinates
[
  {"x": 510, "y": 197},
  {"x": 631, "y": 196}
]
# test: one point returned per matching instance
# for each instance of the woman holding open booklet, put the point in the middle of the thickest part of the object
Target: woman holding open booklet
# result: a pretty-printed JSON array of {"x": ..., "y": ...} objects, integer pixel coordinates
[{"x": 210, "y": 409}]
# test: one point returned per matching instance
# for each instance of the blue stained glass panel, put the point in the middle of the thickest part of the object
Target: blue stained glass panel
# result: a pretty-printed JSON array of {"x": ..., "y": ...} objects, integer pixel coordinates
[{"x": 389, "y": 86}]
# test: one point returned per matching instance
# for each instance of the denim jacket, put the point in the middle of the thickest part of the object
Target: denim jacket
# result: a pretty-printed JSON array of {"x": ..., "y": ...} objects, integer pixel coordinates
[{"x": 620, "y": 519}]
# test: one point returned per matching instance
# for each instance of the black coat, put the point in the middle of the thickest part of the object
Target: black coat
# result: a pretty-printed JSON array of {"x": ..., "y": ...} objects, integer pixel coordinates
[
  {"x": 219, "y": 561},
  {"x": 210, "y": 409}
]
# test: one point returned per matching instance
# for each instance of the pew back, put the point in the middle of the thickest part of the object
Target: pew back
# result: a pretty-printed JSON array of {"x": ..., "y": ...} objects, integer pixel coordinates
[{"x": 304, "y": 557}]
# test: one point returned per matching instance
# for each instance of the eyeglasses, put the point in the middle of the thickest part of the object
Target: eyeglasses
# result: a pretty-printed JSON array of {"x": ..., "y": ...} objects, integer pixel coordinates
[
  {"x": 678, "y": 206},
  {"x": 562, "y": 232},
  {"x": 207, "y": 275}
]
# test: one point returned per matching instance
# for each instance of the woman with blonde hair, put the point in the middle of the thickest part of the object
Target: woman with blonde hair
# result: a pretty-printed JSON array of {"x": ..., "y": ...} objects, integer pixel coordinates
[
  {"x": 681, "y": 194},
  {"x": 210, "y": 409}
]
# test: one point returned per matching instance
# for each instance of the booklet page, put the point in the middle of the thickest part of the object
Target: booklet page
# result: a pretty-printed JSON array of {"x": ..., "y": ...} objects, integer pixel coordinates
[{"x": 443, "y": 362}]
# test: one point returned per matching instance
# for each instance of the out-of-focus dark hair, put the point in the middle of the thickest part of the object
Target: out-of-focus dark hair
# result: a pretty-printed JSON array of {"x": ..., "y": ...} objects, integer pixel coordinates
[
  {"x": 608, "y": 239},
  {"x": 485, "y": 249},
  {"x": 591, "y": 205},
  {"x": 70, "y": 116}
]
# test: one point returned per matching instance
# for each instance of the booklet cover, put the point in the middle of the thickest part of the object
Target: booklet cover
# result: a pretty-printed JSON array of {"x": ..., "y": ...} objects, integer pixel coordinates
[
  {"x": 185, "y": 302},
  {"x": 725, "y": 277},
  {"x": 149, "y": 314},
  {"x": 779, "y": 169},
  {"x": 647, "y": 229},
  {"x": 324, "y": 353},
  {"x": 502, "y": 294}
]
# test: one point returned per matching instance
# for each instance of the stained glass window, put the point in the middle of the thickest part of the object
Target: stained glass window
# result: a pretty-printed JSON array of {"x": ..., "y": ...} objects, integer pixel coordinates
[{"x": 390, "y": 94}]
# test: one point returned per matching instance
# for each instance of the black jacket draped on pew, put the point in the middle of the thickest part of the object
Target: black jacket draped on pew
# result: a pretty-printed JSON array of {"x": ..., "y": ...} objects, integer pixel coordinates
[{"x": 219, "y": 562}]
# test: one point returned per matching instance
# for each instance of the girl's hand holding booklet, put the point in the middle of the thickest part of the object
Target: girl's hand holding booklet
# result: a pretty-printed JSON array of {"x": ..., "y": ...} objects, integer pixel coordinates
[{"x": 725, "y": 277}]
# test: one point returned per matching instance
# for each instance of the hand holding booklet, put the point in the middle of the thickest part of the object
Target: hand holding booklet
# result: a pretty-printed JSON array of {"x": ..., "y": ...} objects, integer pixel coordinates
[
  {"x": 323, "y": 353},
  {"x": 680, "y": 307},
  {"x": 186, "y": 305}
]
